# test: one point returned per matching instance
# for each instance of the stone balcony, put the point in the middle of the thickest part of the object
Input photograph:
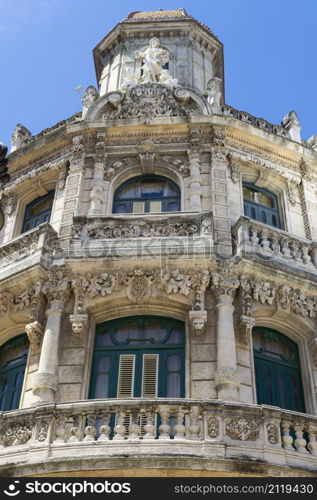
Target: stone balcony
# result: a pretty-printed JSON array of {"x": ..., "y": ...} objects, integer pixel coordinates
[
  {"x": 261, "y": 242},
  {"x": 37, "y": 246},
  {"x": 209, "y": 435},
  {"x": 143, "y": 235}
]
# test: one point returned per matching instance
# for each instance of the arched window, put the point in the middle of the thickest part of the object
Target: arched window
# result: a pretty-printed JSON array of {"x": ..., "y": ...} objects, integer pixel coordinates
[
  {"x": 147, "y": 194},
  {"x": 277, "y": 370},
  {"x": 139, "y": 356},
  {"x": 38, "y": 211},
  {"x": 261, "y": 205},
  {"x": 13, "y": 356}
]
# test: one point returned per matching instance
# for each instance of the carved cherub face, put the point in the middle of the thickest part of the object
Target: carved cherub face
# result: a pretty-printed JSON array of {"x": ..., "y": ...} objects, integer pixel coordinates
[{"x": 198, "y": 323}]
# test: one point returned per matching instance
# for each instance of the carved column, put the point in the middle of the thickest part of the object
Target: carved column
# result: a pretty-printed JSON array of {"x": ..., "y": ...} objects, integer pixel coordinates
[
  {"x": 195, "y": 188},
  {"x": 56, "y": 289},
  {"x": 98, "y": 183},
  {"x": 224, "y": 286},
  {"x": 45, "y": 385}
]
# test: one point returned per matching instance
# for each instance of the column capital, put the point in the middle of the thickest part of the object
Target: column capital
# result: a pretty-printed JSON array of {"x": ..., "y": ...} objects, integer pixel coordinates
[
  {"x": 34, "y": 332},
  {"x": 224, "y": 284}
]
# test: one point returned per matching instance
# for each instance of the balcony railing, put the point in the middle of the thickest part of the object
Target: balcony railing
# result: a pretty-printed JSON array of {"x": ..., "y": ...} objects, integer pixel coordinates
[
  {"x": 260, "y": 241},
  {"x": 185, "y": 233},
  {"x": 221, "y": 430},
  {"x": 34, "y": 246}
]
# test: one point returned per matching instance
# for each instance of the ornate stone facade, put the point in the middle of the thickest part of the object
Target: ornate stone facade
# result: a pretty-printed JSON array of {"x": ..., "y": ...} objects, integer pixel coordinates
[{"x": 183, "y": 249}]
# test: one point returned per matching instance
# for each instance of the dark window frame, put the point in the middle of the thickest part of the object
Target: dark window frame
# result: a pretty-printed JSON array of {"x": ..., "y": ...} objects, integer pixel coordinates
[
  {"x": 33, "y": 221},
  {"x": 128, "y": 202},
  {"x": 262, "y": 213}
]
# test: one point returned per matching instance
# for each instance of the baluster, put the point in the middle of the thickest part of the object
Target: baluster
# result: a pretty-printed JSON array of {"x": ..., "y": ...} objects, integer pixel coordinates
[
  {"x": 105, "y": 428},
  {"x": 180, "y": 427},
  {"x": 134, "y": 428},
  {"x": 254, "y": 237},
  {"x": 164, "y": 428},
  {"x": 75, "y": 430},
  {"x": 296, "y": 252},
  {"x": 265, "y": 243},
  {"x": 149, "y": 426},
  {"x": 119, "y": 427},
  {"x": 300, "y": 442},
  {"x": 312, "y": 445},
  {"x": 90, "y": 429},
  {"x": 276, "y": 246},
  {"x": 306, "y": 258},
  {"x": 193, "y": 423},
  {"x": 285, "y": 249},
  {"x": 287, "y": 439},
  {"x": 60, "y": 430}
]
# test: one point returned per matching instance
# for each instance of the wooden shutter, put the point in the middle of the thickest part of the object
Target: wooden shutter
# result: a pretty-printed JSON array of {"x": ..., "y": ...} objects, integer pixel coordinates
[
  {"x": 126, "y": 376},
  {"x": 155, "y": 206},
  {"x": 150, "y": 375},
  {"x": 138, "y": 207}
]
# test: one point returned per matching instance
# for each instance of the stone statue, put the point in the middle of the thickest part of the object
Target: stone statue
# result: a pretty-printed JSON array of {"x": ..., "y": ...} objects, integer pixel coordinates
[
  {"x": 20, "y": 136},
  {"x": 131, "y": 79},
  {"x": 4, "y": 175},
  {"x": 291, "y": 123},
  {"x": 154, "y": 58},
  {"x": 90, "y": 97},
  {"x": 213, "y": 93}
]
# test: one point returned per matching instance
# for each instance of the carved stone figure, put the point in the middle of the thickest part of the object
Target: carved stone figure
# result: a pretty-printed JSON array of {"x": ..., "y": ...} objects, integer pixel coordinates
[
  {"x": 4, "y": 175},
  {"x": 213, "y": 92},
  {"x": 20, "y": 136},
  {"x": 78, "y": 322},
  {"x": 89, "y": 99},
  {"x": 153, "y": 58},
  {"x": 131, "y": 78},
  {"x": 291, "y": 123}
]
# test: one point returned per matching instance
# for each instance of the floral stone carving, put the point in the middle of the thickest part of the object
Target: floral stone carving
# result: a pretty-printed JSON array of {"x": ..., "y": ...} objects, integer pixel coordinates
[
  {"x": 146, "y": 101},
  {"x": 242, "y": 429},
  {"x": 272, "y": 433},
  {"x": 16, "y": 433},
  {"x": 213, "y": 427}
]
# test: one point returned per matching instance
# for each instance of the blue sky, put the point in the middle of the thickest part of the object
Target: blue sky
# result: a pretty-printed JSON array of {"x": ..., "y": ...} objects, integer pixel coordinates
[{"x": 46, "y": 52}]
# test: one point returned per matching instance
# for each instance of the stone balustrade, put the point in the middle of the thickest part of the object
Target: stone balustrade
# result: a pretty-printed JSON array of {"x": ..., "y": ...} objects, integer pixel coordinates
[
  {"x": 181, "y": 232},
  {"x": 181, "y": 427},
  {"x": 34, "y": 246},
  {"x": 260, "y": 241}
]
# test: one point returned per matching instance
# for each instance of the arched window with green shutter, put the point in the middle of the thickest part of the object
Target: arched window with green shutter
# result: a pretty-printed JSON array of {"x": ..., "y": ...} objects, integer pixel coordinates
[
  {"x": 13, "y": 358},
  {"x": 139, "y": 356},
  {"x": 277, "y": 370}
]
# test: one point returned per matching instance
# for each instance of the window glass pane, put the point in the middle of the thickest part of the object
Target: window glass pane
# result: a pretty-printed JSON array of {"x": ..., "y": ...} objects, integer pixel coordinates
[
  {"x": 274, "y": 346},
  {"x": 258, "y": 197},
  {"x": 102, "y": 385},
  {"x": 173, "y": 388},
  {"x": 147, "y": 188},
  {"x": 41, "y": 206},
  {"x": 173, "y": 363}
]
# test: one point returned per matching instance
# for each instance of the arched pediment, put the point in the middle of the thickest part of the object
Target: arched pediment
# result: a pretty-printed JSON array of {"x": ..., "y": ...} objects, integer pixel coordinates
[{"x": 148, "y": 101}]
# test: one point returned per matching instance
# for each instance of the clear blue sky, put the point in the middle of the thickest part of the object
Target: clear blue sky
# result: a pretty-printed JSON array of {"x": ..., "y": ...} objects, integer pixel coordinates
[{"x": 46, "y": 51}]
